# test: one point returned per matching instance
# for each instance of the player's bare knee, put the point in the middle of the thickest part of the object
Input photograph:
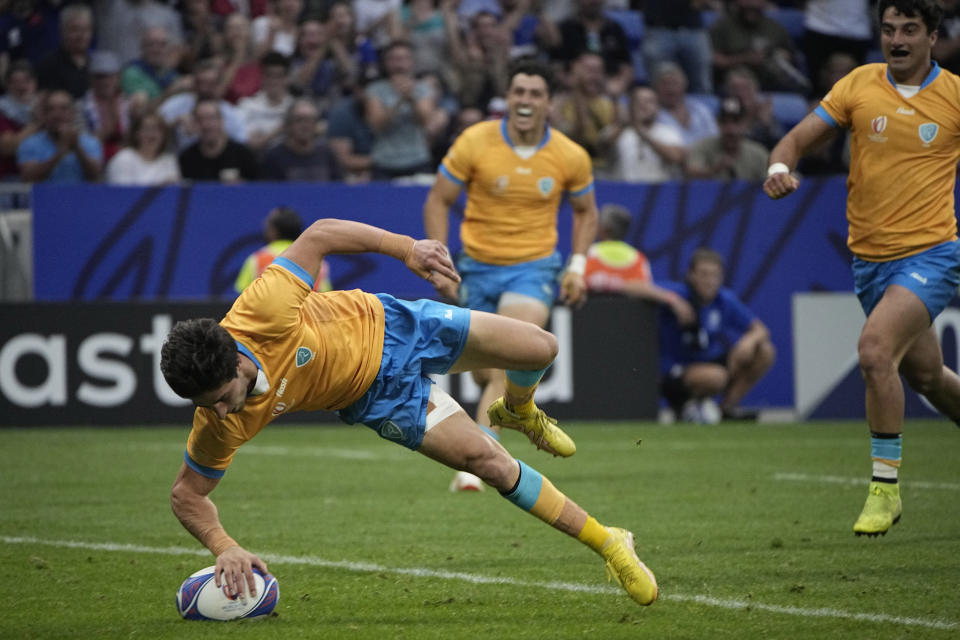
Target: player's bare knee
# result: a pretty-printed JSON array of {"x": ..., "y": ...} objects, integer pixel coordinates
[
  {"x": 923, "y": 380},
  {"x": 547, "y": 348},
  {"x": 766, "y": 356},
  {"x": 875, "y": 355}
]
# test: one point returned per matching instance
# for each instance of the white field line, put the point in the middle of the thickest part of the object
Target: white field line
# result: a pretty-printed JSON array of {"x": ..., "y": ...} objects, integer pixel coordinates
[
  {"x": 851, "y": 481},
  {"x": 422, "y": 572}
]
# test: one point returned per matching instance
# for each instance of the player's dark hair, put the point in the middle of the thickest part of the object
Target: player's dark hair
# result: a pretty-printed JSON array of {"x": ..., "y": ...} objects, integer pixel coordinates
[
  {"x": 531, "y": 66},
  {"x": 286, "y": 223},
  {"x": 703, "y": 254},
  {"x": 930, "y": 11},
  {"x": 198, "y": 356}
]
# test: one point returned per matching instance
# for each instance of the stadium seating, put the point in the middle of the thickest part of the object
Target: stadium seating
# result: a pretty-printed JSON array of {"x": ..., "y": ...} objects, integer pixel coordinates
[{"x": 789, "y": 108}]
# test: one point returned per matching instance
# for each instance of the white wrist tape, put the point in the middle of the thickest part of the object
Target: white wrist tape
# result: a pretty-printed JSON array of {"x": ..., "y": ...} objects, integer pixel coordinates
[
  {"x": 777, "y": 167},
  {"x": 578, "y": 264}
]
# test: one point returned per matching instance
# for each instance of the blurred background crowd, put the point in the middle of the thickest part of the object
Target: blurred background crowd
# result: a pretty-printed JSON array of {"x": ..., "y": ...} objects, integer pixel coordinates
[{"x": 158, "y": 91}]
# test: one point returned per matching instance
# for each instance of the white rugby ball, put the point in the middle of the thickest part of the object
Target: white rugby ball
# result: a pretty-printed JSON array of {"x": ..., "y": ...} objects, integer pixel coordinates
[{"x": 199, "y": 598}]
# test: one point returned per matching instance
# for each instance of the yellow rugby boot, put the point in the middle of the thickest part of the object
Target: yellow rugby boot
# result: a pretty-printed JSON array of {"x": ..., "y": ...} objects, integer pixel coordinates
[
  {"x": 881, "y": 511},
  {"x": 538, "y": 426},
  {"x": 625, "y": 567}
]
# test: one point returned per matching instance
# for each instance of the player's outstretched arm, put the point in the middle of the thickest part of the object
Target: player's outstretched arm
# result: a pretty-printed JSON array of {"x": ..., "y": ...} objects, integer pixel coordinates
[
  {"x": 190, "y": 501},
  {"x": 784, "y": 158},
  {"x": 436, "y": 224},
  {"x": 326, "y": 236},
  {"x": 573, "y": 288}
]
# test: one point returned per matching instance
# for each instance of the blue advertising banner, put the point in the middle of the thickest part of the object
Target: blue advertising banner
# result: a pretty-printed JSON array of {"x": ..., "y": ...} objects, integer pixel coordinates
[{"x": 188, "y": 242}]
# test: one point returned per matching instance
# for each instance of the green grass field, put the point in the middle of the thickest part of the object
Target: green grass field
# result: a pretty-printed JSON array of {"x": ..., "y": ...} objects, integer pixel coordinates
[{"x": 747, "y": 527}]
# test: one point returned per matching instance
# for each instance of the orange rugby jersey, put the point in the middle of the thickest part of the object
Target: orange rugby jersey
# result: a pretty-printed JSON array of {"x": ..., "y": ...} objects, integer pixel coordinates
[
  {"x": 512, "y": 202},
  {"x": 903, "y": 160},
  {"x": 316, "y": 350}
]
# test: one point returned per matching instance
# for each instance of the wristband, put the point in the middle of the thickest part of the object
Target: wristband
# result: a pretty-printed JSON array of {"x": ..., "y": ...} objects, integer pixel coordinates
[
  {"x": 578, "y": 264},
  {"x": 220, "y": 543},
  {"x": 396, "y": 245},
  {"x": 777, "y": 167}
]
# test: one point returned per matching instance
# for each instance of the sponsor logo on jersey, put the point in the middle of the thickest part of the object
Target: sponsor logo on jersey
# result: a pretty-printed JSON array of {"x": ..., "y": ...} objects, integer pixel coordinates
[
  {"x": 390, "y": 430},
  {"x": 282, "y": 387},
  {"x": 928, "y": 131},
  {"x": 545, "y": 185},
  {"x": 524, "y": 171},
  {"x": 905, "y": 111},
  {"x": 304, "y": 356}
]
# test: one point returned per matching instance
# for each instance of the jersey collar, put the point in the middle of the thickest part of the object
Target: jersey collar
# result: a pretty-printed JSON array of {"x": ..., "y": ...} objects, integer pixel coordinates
[
  {"x": 506, "y": 135},
  {"x": 934, "y": 72},
  {"x": 262, "y": 385}
]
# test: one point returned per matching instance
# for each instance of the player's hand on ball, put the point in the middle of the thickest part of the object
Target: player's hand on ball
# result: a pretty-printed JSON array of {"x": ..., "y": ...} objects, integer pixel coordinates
[
  {"x": 235, "y": 569},
  {"x": 573, "y": 289},
  {"x": 780, "y": 185}
]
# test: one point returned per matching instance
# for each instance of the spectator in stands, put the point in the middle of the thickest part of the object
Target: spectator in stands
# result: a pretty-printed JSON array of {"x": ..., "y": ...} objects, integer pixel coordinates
[
  {"x": 692, "y": 117},
  {"x": 674, "y": 32},
  {"x": 534, "y": 32},
  {"x": 178, "y": 110},
  {"x": 214, "y": 156},
  {"x": 725, "y": 351},
  {"x": 121, "y": 24},
  {"x": 350, "y": 138},
  {"x": 480, "y": 57},
  {"x": 946, "y": 50},
  {"x": 106, "y": 113},
  {"x": 60, "y": 152},
  {"x": 404, "y": 116},
  {"x": 277, "y": 30},
  {"x": 29, "y": 30},
  {"x": 762, "y": 125},
  {"x": 148, "y": 159},
  {"x": 18, "y": 120},
  {"x": 202, "y": 36},
  {"x": 282, "y": 226},
  {"x": 151, "y": 78},
  {"x": 745, "y": 35},
  {"x": 616, "y": 267},
  {"x": 67, "y": 68},
  {"x": 648, "y": 150},
  {"x": 353, "y": 55},
  {"x": 242, "y": 73},
  {"x": 421, "y": 23},
  {"x": 729, "y": 155},
  {"x": 263, "y": 114},
  {"x": 302, "y": 156},
  {"x": 376, "y": 19},
  {"x": 589, "y": 29},
  {"x": 835, "y": 26},
  {"x": 586, "y": 113}
]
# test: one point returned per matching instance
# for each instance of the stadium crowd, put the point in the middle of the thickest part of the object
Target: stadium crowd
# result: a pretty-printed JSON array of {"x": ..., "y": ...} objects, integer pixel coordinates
[{"x": 156, "y": 91}]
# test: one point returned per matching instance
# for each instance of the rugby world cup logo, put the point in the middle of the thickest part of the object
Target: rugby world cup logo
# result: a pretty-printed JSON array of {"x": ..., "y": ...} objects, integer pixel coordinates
[{"x": 877, "y": 126}]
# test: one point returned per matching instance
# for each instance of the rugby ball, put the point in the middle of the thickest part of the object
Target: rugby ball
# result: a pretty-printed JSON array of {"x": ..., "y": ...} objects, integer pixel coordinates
[{"x": 199, "y": 598}]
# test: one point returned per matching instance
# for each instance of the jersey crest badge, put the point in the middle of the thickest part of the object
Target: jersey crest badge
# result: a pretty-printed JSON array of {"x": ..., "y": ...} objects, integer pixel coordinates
[
  {"x": 879, "y": 124},
  {"x": 304, "y": 356},
  {"x": 928, "y": 131},
  {"x": 545, "y": 185}
]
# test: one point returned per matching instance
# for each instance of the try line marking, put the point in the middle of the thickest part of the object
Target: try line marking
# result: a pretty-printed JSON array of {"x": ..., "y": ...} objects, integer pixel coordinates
[
  {"x": 367, "y": 567},
  {"x": 848, "y": 480}
]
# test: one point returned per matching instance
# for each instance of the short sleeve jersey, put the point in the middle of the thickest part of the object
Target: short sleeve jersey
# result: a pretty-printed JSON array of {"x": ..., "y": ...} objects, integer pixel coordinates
[
  {"x": 318, "y": 351},
  {"x": 719, "y": 325},
  {"x": 903, "y": 160},
  {"x": 512, "y": 201}
]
